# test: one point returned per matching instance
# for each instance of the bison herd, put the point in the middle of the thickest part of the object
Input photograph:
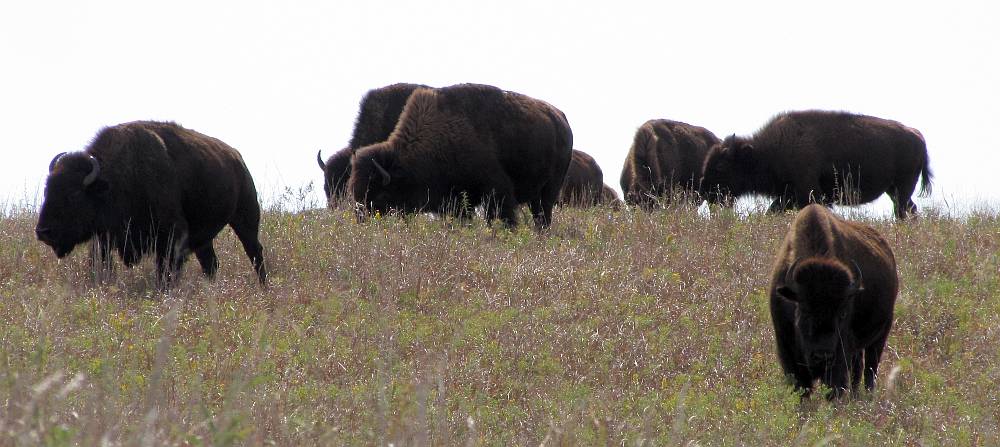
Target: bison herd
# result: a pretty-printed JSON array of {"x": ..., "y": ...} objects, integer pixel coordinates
[{"x": 152, "y": 187}]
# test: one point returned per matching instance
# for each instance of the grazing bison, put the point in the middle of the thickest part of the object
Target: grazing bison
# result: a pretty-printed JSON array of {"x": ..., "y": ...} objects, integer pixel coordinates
[
  {"x": 150, "y": 186},
  {"x": 610, "y": 197},
  {"x": 470, "y": 144},
  {"x": 824, "y": 157},
  {"x": 377, "y": 115},
  {"x": 833, "y": 287},
  {"x": 584, "y": 184},
  {"x": 665, "y": 158}
]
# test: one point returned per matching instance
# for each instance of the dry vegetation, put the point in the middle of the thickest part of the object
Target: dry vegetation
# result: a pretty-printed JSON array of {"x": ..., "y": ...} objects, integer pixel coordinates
[{"x": 617, "y": 328}]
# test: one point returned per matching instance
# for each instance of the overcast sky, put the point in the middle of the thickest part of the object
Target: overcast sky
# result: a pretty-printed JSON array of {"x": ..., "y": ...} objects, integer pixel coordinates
[{"x": 280, "y": 80}]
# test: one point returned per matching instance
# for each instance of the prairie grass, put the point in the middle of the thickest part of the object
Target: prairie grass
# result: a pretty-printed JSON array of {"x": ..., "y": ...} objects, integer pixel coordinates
[{"x": 612, "y": 328}]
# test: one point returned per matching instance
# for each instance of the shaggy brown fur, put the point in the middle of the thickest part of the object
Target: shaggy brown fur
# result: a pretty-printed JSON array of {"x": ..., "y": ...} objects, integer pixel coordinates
[
  {"x": 584, "y": 185},
  {"x": 377, "y": 116},
  {"x": 665, "y": 158},
  {"x": 823, "y": 157},
  {"x": 833, "y": 288},
  {"x": 468, "y": 144},
  {"x": 151, "y": 187}
]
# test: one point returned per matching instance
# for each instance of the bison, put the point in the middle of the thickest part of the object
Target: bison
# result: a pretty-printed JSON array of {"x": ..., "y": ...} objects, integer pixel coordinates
[
  {"x": 824, "y": 157},
  {"x": 610, "y": 197},
  {"x": 377, "y": 115},
  {"x": 148, "y": 186},
  {"x": 665, "y": 159},
  {"x": 584, "y": 184},
  {"x": 466, "y": 145},
  {"x": 833, "y": 287}
]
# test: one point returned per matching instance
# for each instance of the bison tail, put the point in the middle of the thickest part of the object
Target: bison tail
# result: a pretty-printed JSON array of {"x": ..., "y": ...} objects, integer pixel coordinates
[{"x": 926, "y": 177}]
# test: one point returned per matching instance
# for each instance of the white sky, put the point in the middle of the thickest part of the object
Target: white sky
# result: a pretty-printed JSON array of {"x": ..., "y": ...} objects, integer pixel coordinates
[{"x": 280, "y": 80}]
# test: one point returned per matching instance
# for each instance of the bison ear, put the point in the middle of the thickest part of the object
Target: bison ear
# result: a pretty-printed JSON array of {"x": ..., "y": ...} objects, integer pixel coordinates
[{"x": 787, "y": 293}]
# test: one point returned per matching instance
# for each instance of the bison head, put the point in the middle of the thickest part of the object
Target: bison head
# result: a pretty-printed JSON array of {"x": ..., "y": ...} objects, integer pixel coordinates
[
  {"x": 823, "y": 291},
  {"x": 74, "y": 195},
  {"x": 336, "y": 171},
  {"x": 724, "y": 173},
  {"x": 379, "y": 183}
]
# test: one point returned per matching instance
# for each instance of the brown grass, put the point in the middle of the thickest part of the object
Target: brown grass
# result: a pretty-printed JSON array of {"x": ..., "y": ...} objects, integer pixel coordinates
[{"x": 613, "y": 328}]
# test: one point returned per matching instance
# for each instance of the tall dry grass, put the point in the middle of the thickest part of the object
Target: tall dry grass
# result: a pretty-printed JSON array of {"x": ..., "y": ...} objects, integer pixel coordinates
[{"x": 612, "y": 328}]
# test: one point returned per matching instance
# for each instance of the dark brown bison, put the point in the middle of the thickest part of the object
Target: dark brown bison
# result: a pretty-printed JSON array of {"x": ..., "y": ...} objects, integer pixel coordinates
[
  {"x": 377, "y": 115},
  {"x": 467, "y": 145},
  {"x": 823, "y": 157},
  {"x": 665, "y": 159},
  {"x": 584, "y": 184},
  {"x": 833, "y": 287},
  {"x": 610, "y": 197},
  {"x": 151, "y": 187}
]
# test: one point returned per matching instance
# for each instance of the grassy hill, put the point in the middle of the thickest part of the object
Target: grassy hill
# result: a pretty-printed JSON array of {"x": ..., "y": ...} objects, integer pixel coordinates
[{"x": 613, "y": 328}]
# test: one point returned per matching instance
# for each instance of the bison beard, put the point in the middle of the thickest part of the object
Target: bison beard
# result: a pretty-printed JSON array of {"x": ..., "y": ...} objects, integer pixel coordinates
[
  {"x": 469, "y": 145},
  {"x": 833, "y": 287},
  {"x": 151, "y": 187}
]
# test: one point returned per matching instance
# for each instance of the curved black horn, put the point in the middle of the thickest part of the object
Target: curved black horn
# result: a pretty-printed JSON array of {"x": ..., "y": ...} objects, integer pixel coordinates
[
  {"x": 790, "y": 277},
  {"x": 385, "y": 174},
  {"x": 319, "y": 159},
  {"x": 95, "y": 170},
  {"x": 52, "y": 164},
  {"x": 855, "y": 286}
]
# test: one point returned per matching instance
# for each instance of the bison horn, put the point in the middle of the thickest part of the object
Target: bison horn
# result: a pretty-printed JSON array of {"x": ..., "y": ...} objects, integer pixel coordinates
[
  {"x": 385, "y": 174},
  {"x": 52, "y": 164},
  {"x": 94, "y": 172},
  {"x": 855, "y": 285},
  {"x": 319, "y": 159},
  {"x": 790, "y": 283}
]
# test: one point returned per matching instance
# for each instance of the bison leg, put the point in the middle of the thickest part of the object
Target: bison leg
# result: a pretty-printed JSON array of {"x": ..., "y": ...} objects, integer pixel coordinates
[
  {"x": 503, "y": 206},
  {"x": 542, "y": 214},
  {"x": 902, "y": 201},
  {"x": 809, "y": 194},
  {"x": 541, "y": 208},
  {"x": 100, "y": 258},
  {"x": 855, "y": 372},
  {"x": 246, "y": 229},
  {"x": 873, "y": 355},
  {"x": 780, "y": 205},
  {"x": 208, "y": 260},
  {"x": 171, "y": 252},
  {"x": 789, "y": 356},
  {"x": 462, "y": 207},
  {"x": 130, "y": 253},
  {"x": 786, "y": 202}
]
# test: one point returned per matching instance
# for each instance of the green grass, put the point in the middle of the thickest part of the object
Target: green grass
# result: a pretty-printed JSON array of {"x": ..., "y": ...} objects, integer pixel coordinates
[{"x": 613, "y": 328}]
